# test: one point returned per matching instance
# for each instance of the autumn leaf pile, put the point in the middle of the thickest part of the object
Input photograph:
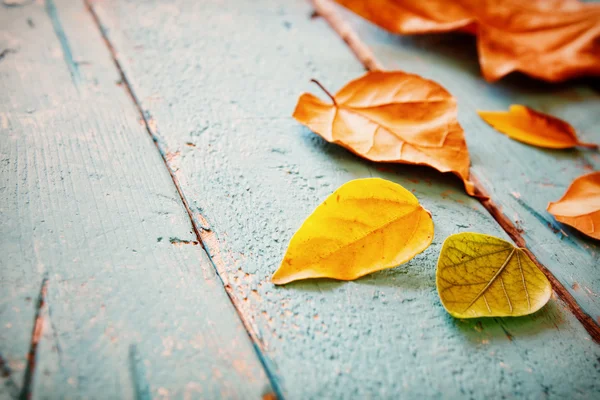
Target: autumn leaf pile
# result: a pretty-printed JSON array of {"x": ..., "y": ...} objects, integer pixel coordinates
[
  {"x": 552, "y": 40},
  {"x": 368, "y": 225}
]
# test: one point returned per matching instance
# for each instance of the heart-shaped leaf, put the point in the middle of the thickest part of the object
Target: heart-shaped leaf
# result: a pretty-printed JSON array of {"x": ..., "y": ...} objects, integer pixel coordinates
[
  {"x": 365, "y": 226},
  {"x": 392, "y": 117},
  {"x": 580, "y": 205},
  {"x": 483, "y": 276}
]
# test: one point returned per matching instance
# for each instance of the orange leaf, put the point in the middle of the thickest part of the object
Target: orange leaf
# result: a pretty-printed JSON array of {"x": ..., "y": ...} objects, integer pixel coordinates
[
  {"x": 545, "y": 43},
  {"x": 392, "y": 117},
  {"x": 411, "y": 17},
  {"x": 551, "y": 40},
  {"x": 580, "y": 205},
  {"x": 533, "y": 127}
]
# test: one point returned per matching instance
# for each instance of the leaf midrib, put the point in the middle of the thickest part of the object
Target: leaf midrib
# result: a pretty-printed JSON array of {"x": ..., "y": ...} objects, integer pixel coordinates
[
  {"x": 343, "y": 247},
  {"x": 492, "y": 280},
  {"x": 356, "y": 110}
]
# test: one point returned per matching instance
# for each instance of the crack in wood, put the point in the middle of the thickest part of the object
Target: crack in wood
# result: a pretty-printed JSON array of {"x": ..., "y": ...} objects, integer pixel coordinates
[
  {"x": 325, "y": 10},
  {"x": 5, "y": 52},
  {"x": 138, "y": 374},
  {"x": 36, "y": 334},
  {"x": 6, "y": 374},
  {"x": 64, "y": 42},
  {"x": 198, "y": 227}
]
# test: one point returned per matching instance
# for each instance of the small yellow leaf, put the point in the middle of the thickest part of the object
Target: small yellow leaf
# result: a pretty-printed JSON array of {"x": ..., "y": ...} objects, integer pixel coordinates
[
  {"x": 483, "y": 276},
  {"x": 533, "y": 127},
  {"x": 365, "y": 226}
]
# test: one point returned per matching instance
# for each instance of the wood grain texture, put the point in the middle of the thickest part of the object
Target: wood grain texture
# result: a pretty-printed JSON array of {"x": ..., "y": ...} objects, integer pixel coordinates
[
  {"x": 131, "y": 309},
  {"x": 219, "y": 81},
  {"x": 519, "y": 178}
]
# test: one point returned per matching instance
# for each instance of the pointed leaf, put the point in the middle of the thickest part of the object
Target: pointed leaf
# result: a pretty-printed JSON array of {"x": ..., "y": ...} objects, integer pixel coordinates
[
  {"x": 483, "y": 276},
  {"x": 365, "y": 226},
  {"x": 533, "y": 127},
  {"x": 392, "y": 117},
  {"x": 580, "y": 205}
]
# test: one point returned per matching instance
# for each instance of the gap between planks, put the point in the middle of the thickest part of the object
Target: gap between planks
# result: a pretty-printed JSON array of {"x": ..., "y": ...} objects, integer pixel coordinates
[
  {"x": 197, "y": 227},
  {"x": 363, "y": 53},
  {"x": 36, "y": 334}
]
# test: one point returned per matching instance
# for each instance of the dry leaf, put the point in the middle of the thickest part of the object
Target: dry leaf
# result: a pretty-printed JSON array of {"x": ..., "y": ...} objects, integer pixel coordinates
[
  {"x": 410, "y": 17},
  {"x": 580, "y": 205},
  {"x": 483, "y": 276},
  {"x": 392, "y": 117},
  {"x": 550, "y": 40},
  {"x": 533, "y": 127},
  {"x": 365, "y": 226}
]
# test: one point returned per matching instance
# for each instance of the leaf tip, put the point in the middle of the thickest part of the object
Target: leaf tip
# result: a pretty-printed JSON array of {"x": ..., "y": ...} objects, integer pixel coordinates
[
  {"x": 473, "y": 190},
  {"x": 277, "y": 279}
]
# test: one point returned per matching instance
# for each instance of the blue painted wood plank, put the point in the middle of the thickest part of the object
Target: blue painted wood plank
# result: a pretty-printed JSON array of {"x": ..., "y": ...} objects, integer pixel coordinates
[
  {"x": 520, "y": 179},
  {"x": 130, "y": 309},
  {"x": 219, "y": 82}
]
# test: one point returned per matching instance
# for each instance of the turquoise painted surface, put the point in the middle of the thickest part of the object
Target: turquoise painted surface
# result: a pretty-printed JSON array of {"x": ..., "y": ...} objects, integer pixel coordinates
[
  {"x": 86, "y": 201},
  {"x": 521, "y": 179},
  {"x": 219, "y": 82}
]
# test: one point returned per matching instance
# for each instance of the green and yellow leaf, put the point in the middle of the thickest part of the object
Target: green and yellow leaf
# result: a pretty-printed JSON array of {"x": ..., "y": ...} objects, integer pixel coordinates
[
  {"x": 365, "y": 226},
  {"x": 483, "y": 276}
]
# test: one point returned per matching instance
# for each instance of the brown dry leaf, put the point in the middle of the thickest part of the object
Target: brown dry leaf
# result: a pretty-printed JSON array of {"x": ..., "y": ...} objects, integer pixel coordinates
[
  {"x": 553, "y": 40},
  {"x": 392, "y": 117},
  {"x": 580, "y": 205},
  {"x": 533, "y": 127}
]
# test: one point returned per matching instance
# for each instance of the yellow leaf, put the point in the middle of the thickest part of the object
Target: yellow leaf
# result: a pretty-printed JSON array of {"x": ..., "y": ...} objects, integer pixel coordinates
[
  {"x": 483, "y": 276},
  {"x": 533, "y": 127},
  {"x": 365, "y": 226}
]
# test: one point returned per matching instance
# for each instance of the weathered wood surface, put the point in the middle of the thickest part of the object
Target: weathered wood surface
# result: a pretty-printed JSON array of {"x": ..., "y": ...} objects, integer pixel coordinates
[
  {"x": 219, "y": 81},
  {"x": 130, "y": 310},
  {"x": 520, "y": 179}
]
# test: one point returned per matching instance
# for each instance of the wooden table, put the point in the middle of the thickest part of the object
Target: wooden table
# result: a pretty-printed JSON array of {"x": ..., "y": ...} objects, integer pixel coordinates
[{"x": 152, "y": 176}]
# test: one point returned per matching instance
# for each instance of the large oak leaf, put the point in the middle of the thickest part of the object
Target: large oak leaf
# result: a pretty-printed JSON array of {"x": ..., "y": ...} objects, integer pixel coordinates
[{"x": 392, "y": 117}]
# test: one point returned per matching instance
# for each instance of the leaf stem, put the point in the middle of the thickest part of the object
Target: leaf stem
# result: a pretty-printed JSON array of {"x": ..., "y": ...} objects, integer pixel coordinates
[
  {"x": 593, "y": 146},
  {"x": 325, "y": 90}
]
